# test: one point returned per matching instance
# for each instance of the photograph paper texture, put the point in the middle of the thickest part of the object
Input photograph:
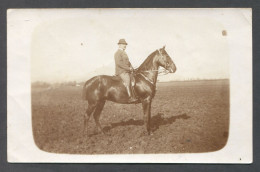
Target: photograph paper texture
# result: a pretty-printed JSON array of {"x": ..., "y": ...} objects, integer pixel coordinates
[{"x": 199, "y": 65}]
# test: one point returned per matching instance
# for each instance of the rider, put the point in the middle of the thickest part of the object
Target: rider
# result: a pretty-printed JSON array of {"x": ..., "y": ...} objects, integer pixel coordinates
[{"x": 124, "y": 67}]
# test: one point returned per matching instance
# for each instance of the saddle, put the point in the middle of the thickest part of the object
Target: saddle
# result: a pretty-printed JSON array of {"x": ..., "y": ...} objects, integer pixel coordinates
[
  {"x": 132, "y": 76},
  {"x": 118, "y": 78}
]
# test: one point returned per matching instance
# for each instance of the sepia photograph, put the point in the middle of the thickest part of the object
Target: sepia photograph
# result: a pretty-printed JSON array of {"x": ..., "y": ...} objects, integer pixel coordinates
[{"x": 130, "y": 85}]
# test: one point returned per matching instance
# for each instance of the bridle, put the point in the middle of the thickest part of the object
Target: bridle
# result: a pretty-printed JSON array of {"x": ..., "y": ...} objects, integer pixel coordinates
[
  {"x": 166, "y": 63},
  {"x": 165, "y": 71}
]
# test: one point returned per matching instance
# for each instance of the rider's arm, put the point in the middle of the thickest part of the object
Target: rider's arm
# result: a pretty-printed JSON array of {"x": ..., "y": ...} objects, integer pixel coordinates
[
  {"x": 128, "y": 62},
  {"x": 120, "y": 62}
]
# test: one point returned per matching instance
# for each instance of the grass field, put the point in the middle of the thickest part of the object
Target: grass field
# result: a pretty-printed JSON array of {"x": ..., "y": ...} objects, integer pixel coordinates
[{"x": 187, "y": 116}]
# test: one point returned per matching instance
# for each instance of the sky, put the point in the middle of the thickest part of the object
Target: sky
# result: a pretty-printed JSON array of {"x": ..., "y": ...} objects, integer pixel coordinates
[{"x": 80, "y": 44}]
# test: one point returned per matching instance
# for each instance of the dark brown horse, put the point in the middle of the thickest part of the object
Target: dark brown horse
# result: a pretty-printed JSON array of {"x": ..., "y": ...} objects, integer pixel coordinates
[{"x": 101, "y": 88}]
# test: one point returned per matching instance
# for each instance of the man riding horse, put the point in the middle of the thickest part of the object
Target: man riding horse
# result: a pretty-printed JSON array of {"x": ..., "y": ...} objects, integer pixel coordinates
[
  {"x": 124, "y": 68},
  {"x": 102, "y": 88}
]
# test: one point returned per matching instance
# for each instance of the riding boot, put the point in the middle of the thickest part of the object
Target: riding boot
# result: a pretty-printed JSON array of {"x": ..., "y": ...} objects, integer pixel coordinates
[{"x": 130, "y": 94}]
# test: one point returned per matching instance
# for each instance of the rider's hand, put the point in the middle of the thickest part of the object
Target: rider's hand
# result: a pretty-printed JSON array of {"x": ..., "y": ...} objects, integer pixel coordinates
[{"x": 131, "y": 69}]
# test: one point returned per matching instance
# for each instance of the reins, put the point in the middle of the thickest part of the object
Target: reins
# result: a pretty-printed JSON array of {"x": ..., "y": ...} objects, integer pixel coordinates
[
  {"x": 164, "y": 71},
  {"x": 160, "y": 72},
  {"x": 147, "y": 79}
]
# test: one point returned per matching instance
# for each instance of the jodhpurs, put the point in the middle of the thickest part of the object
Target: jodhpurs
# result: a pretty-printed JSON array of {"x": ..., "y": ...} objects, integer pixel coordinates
[{"x": 126, "y": 78}]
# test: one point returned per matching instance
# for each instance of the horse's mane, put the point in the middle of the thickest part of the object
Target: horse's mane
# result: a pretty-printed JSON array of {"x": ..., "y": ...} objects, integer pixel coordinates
[{"x": 147, "y": 61}]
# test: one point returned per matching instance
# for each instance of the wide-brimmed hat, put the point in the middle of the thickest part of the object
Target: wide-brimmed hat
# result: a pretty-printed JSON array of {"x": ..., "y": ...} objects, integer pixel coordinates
[{"x": 122, "y": 41}]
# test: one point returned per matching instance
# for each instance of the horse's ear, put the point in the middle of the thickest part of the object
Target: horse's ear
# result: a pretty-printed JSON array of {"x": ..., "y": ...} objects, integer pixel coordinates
[{"x": 163, "y": 47}]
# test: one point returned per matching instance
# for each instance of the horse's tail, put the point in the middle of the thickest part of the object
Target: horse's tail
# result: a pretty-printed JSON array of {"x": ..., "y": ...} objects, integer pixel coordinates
[
  {"x": 86, "y": 87},
  {"x": 89, "y": 86},
  {"x": 84, "y": 91}
]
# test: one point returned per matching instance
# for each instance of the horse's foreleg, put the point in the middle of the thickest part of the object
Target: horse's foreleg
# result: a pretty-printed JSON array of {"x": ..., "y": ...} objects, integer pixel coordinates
[
  {"x": 97, "y": 113},
  {"x": 147, "y": 113},
  {"x": 89, "y": 111}
]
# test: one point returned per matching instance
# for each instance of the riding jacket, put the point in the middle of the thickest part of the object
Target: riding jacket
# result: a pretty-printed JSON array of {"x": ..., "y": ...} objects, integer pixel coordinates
[{"x": 122, "y": 62}]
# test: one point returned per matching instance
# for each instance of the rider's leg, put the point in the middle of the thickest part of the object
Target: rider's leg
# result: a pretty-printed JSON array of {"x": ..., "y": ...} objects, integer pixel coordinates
[{"x": 126, "y": 78}]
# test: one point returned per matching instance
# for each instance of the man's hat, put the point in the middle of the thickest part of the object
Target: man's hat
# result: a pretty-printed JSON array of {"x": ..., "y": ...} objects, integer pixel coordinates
[{"x": 122, "y": 41}]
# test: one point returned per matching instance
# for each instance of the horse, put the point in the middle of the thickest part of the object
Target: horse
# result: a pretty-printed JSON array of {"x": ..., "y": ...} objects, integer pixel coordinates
[{"x": 102, "y": 88}]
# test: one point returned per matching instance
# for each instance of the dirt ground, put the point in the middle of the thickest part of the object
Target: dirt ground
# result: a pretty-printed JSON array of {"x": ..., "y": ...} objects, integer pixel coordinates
[{"x": 187, "y": 116}]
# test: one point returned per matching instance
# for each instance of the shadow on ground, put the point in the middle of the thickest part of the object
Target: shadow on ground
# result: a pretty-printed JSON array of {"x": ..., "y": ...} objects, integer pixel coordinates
[{"x": 156, "y": 122}]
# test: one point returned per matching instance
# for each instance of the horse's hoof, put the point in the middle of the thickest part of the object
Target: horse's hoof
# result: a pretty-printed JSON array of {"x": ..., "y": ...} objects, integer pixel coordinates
[
  {"x": 150, "y": 133},
  {"x": 105, "y": 133}
]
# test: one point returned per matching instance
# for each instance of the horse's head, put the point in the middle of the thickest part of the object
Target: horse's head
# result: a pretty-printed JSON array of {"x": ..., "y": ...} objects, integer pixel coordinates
[{"x": 165, "y": 61}]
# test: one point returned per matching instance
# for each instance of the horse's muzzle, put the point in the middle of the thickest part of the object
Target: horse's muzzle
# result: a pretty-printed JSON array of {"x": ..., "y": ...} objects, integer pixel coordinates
[{"x": 172, "y": 69}]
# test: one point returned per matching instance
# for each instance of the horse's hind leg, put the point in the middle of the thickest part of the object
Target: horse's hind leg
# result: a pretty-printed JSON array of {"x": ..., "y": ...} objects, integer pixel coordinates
[
  {"x": 97, "y": 112},
  {"x": 89, "y": 111}
]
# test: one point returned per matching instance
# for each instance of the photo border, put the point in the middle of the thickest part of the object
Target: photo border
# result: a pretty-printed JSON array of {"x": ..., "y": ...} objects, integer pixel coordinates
[{"x": 119, "y": 167}]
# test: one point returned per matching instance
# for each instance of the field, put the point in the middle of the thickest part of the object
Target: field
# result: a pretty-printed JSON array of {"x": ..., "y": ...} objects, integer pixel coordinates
[{"x": 187, "y": 116}]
